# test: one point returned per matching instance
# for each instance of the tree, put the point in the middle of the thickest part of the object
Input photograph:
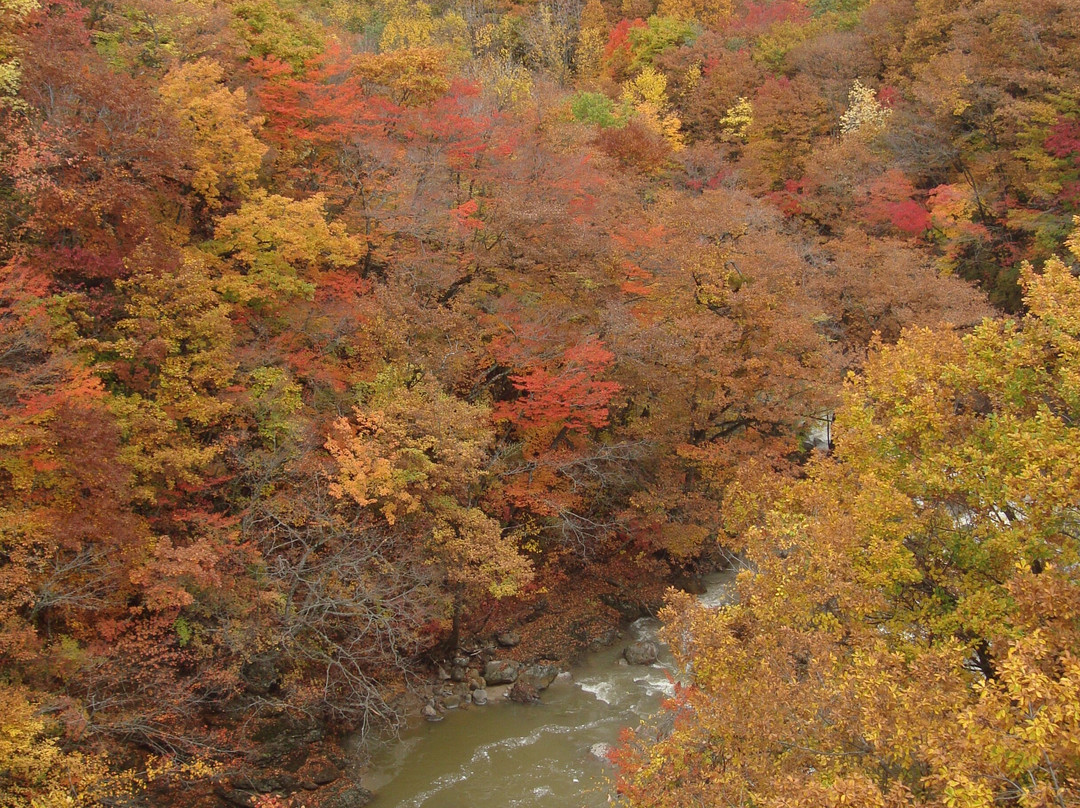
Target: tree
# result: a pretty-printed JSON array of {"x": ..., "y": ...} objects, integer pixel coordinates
[
  {"x": 413, "y": 455},
  {"x": 906, "y": 633},
  {"x": 227, "y": 155},
  {"x": 281, "y": 243}
]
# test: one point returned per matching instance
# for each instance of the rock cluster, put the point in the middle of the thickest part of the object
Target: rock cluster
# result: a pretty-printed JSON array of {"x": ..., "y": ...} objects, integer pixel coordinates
[{"x": 477, "y": 676}]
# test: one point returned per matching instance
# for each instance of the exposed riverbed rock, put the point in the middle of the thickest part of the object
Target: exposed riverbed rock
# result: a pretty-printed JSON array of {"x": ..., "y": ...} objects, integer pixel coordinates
[
  {"x": 319, "y": 771},
  {"x": 538, "y": 676},
  {"x": 601, "y": 751},
  {"x": 501, "y": 672},
  {"x": 641, "y": 653},
  {"x": 351, "y": 797},
  {"x": 524, "y": 692},
  {"x": 604, "y": 638},
  {"x": 479, "y": 697},
  {"x": 689, "y": 583}
]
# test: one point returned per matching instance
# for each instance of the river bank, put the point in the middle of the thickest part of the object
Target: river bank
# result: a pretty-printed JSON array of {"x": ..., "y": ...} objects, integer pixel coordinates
[{"x": 543, "y": 754}]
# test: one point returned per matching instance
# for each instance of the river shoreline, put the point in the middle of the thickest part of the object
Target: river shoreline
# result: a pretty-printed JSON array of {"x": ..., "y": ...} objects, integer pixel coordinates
[{"x": 541, "y": 753}]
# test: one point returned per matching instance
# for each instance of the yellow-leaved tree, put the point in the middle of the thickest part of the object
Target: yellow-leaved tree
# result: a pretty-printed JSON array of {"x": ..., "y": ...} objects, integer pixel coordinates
[
  {"x": 415, "y": 456},
  {"x": 280, "y": 243},
  {"x": 908, "y": 632},
  {"x": 225, "y": 151},
  {"x": 35, "y": 772}
]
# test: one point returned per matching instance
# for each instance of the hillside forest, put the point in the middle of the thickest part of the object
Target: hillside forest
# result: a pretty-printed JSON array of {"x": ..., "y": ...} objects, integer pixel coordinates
[{"x": 337, "y": 335}]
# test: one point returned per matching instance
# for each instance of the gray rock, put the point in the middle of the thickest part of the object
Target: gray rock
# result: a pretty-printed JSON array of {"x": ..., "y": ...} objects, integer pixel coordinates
[
  {"x": 452, "y": 702},
  {"x": 479, "y": 697},
  {"x": 539, "y": 676},
  {"x": 508, "y": 639},
  {"x": 604, "y": 639},
  {"x": 461, "y": 662},
  {"x": 600, "y": 751},
  {"x": 430, "y": 713},
  {"x": 458, "y": 673},
  {"x": 501, "y": 672},
  {"x": 351, "y": 797},
  {"x": 643, "y": 652},
  {"x": 476, "y": 681}
]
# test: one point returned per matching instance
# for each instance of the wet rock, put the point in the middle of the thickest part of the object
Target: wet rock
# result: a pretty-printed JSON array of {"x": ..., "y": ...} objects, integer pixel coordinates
[
  {"x": 627, "y": 608},
  {"x": 430, "y": 713},
  {"x": 524, "y": 692},
  {"x": 690, "y": 583},
  {"x": 508, "y": 639},
  {"x": 320, "y": 771},
  {"x": 351, "y": 797},
  {"x": 501, "y": 672},
  {"x": 475, "y": 681},
  {"x": 539, "y": 676},
  {"x": 604, "y": 639},
  {"x": 452, "y": 702},
  {"x": 601, "y": 751},
  {"x": 479, "y": 697},
  {"x": 643, "y": 652}
]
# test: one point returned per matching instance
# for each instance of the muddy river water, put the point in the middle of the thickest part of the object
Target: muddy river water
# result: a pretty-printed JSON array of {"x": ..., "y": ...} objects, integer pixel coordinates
[{"x": 534, "y": 755}]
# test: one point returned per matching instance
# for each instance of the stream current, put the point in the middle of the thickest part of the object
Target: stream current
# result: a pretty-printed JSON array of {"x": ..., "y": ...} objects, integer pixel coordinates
[{"x": 533, "y": 755}]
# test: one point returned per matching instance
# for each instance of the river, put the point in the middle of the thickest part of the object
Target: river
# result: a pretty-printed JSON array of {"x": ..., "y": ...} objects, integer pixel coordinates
[{"x": 537, "y": 755}]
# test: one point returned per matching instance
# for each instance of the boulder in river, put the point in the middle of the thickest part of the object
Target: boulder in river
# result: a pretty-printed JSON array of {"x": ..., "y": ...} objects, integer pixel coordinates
[
  {"x": 524, "y": 692},
  {"x": 601, "y": 751},
  {"x": 430, "y": 713},
  {"x": 501, "y": 672},
  {"x": 539, "y": 676},
  {"x": 479, "y": 697},
  {"x": 643, "y": 652}
]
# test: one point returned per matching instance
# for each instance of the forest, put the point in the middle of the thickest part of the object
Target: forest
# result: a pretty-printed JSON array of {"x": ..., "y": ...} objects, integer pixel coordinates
[{"x": 336, "y": 335}]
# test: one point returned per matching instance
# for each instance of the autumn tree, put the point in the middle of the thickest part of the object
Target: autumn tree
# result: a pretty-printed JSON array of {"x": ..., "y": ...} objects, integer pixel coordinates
[
  {"x": 906, "y": 628},
  {"x": 412, "y": 455}
]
